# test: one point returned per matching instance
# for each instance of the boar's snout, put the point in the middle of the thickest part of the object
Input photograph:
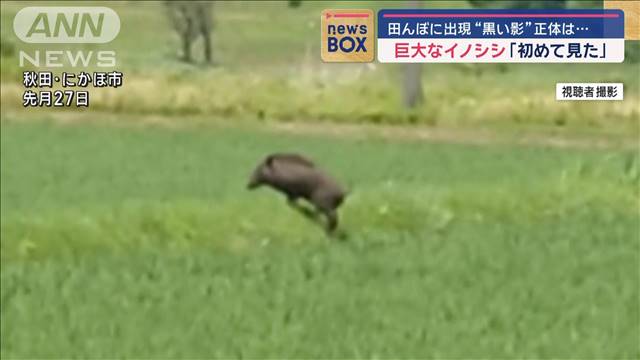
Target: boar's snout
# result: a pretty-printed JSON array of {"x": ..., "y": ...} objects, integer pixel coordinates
[
  {"x": 252, "y": 184},
  {"x": 256, "y": 179}
]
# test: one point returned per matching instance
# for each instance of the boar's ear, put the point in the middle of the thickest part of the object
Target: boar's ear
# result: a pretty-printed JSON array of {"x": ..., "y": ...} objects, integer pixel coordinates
[{"x": 269, "y": 160}]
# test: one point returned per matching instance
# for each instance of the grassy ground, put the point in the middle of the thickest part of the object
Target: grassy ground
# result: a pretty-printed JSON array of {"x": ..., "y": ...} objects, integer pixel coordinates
[
  {"x": 505, "y": 228},
  {"x": 121, "y": 242}
]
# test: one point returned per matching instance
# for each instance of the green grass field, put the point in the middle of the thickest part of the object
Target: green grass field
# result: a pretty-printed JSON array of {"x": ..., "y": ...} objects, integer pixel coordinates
[
  {"x": 143, "y": 242},
  {"x": 490, "y": 222}
]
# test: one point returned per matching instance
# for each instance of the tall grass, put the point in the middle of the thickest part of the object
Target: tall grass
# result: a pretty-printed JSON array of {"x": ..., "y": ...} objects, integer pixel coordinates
[{"x": 120, "y": 242}]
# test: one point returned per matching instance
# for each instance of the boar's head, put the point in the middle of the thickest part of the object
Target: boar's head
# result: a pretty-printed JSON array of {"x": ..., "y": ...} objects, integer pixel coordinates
[
  {"x": 262, "y": 174},
  {"x": 259, "y": 176}
]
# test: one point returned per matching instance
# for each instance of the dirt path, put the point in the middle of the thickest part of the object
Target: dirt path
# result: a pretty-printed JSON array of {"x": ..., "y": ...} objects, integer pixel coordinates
[
  {"x": 457, "y": 135},
  {"x": 477, "y": 136}
]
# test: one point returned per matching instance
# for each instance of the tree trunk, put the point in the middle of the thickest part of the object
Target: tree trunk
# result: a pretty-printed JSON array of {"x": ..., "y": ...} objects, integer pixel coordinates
[
  {"x": 413, "y": 94},
  {"x": 206, "y": 26},
  {"x": 207, "y": 47},
  {"x": 187, "y": 37},
  {"x": 186, "y": 47}
]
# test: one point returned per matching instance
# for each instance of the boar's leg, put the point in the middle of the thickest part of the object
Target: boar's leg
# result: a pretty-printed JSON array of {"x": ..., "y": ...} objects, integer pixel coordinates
[
  {"x": 327, "y": 204},
  {"x": 291, "y": 200},
  {"x": 332, "y": 226},
  {"x": 306, "y": 212},
  {"x": 332, "y": 220}
]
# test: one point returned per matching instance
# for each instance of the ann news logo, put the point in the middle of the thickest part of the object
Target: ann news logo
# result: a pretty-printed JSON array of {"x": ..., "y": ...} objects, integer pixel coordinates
[
  {"x": 67, "y": 25},
  {"x": 347, "y": 36}
]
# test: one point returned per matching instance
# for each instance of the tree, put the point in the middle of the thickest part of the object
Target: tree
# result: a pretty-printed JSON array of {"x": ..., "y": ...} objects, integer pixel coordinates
[
  {"x": 190, "y": 20},
  {"x": 412, "y": 82}
]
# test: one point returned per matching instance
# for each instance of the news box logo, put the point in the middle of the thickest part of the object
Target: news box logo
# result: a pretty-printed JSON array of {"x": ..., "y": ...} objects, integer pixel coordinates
[{"x": 348, "y": 35}]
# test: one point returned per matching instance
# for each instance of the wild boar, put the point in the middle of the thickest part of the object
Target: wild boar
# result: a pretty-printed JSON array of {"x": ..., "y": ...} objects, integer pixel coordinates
[{"x": 297, "y": 177}]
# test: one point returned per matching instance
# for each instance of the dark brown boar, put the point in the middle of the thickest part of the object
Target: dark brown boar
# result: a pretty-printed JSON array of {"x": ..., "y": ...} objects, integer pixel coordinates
[{"x": 297, "y": 177}]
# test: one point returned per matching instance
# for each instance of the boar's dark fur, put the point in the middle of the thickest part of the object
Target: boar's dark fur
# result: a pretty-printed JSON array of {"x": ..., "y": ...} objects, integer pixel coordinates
[{"x": 298, "y": 177}]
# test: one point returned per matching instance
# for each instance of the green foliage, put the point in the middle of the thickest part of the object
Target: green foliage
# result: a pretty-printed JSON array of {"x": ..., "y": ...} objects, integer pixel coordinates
[
  {"x": 120, "y": 241},
  {"x": 7, "y": 47},
  {"x": 143, "y": 243},
  {"x": 632, "y": 52}
]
